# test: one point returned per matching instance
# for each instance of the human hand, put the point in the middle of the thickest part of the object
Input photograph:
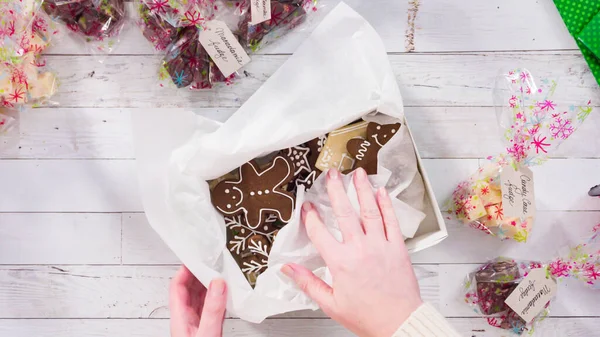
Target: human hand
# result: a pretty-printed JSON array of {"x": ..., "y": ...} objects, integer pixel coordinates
[
  {"x": 196, "y": 311},
  {"x": 374, "y": 287}
]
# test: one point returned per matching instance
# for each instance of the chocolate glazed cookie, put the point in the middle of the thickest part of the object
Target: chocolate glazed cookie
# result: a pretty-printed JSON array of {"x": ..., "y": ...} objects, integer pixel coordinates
[{"x": 258, "y": 193}]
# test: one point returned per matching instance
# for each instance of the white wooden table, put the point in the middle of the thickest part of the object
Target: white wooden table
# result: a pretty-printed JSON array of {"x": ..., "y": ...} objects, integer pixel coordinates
[{"x": 79, "y": 259}]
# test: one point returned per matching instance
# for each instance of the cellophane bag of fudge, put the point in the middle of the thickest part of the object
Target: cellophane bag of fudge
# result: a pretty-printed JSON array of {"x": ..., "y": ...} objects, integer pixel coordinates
[
  {"x": 25, "y": 32},
  {"x": 260, "y": 23},
  {"x": 226, "y": 198},
  {"x": 193, "y": 57},
  {"x": 499, "y": 198},
  {"x": 516, "y": 295},
  {"x": 97, "y": 24},
  {"x": 174, "y": 28}
]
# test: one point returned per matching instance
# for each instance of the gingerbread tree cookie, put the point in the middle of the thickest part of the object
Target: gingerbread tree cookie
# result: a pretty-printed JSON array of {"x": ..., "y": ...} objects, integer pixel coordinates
[
  {"x": 257, "y": 193},
  {"x": 365, "y": 151}
]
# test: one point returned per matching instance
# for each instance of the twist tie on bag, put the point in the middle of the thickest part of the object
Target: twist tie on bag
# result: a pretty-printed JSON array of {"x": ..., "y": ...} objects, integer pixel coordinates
[
  {"x": 499, "y": 198},
  {"x": 516, "y": 295}
]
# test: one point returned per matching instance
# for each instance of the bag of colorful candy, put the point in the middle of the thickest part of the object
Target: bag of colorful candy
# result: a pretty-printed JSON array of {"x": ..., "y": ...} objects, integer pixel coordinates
[
  {"x": 25, "y": 32},
  {"x": 260, "y": 26},
  {"x": 499, "y": 198},
  {"x": 178, "y": 27},
  {"x": 517, "y": 295},
  {"x": 174, "y": 28},
  {"x": 97, "y": 23}
]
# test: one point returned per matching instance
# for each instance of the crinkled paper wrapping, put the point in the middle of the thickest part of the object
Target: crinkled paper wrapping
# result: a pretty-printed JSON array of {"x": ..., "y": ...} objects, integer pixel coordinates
[{"x": 340, "y": 74}]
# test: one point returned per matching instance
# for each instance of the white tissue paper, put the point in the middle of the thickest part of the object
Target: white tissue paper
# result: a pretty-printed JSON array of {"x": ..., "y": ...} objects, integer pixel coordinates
[{"x": 340, "y": 74}]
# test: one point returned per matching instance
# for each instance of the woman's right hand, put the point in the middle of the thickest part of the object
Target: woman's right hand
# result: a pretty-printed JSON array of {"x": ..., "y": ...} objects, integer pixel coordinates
[{"x": 374, "y": 287}]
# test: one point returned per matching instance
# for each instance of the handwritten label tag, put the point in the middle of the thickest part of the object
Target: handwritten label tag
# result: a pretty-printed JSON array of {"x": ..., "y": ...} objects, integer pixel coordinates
[
  {"x": 518, "y": 199},
  {"x": 223, "y": 47},
  {"x": 260, "y": 11},
  {"x": 532, "y": 294}
]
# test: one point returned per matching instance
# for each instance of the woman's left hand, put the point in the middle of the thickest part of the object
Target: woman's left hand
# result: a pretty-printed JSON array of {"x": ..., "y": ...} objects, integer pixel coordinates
[{"x": 195, "y": 310}]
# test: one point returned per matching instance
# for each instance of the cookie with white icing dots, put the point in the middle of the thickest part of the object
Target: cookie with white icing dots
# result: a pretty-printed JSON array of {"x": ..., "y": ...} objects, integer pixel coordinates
[
  {"x": 364, "y": 151},
  {"x": 304, "y": 157},
  {"x": 257, "y": 192}
]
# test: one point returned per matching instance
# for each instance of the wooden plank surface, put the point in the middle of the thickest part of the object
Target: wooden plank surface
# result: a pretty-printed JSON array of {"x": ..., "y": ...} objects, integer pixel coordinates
[
  {"x": 425, "y": 80},
  {"x": 111, "y": 185},
  {"x": 60, "y": 238},
  {"x": 61, "y": 292},
  {"x": 113, "y": 291},
  {"x": 471, "y": 327},
  {"x": 86, "y": 133}
]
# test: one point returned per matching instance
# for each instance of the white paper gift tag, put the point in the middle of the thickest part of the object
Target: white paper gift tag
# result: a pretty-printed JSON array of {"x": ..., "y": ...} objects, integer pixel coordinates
[
  {"x": 223, "y": 47},
  {"x": 532, "y": 294},
  {"x": 518, "y": 199},
  {"x": 260, "y": 11}
]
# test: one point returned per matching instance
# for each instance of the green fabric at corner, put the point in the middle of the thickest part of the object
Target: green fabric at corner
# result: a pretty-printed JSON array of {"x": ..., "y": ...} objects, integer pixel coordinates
[{"x": 582, "y": 18}]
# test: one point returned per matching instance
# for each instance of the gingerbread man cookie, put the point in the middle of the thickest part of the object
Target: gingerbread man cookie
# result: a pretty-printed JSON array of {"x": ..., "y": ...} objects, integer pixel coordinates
[
  {"x": 365, "y": 151},
  {"x": 257, "y": 193}
]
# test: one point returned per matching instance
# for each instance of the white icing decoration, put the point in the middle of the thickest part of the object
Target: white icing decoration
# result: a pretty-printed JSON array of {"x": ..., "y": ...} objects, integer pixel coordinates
[
  {"x": 300, "y": 154},
  {"x": 259, "y": 192},
  {"x": 239, "y": 242},
  {"x": 263, "y": 210},
  {"x": 254, "y": 266},
  {"x": 309, "y": 180},
  {"x": 377, "y": 140},
  {"x": 321, "y": 143},
  {"x": 364, "y": 147},
  {"x": 256, "y": 248},
  {"x": 227, "y": 191},
  {"x": 228, "y": 205}
]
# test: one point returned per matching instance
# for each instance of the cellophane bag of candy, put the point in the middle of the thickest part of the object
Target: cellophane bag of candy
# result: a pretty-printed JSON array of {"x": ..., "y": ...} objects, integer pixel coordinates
[
  {"x": 533, "y": 124},
  {"x": 580, "y": 262},
  {"x": 487, "y": 289},
  {"x": 25, "y": 32},
  {"x": 286, "y": 15},
  {"x": 173, "y": 27},
  {"x": 96, "y": 22}
]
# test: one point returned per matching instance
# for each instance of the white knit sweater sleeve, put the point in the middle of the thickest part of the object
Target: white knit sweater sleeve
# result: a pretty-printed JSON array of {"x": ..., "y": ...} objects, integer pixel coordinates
[{"x": 426, "y": 322}]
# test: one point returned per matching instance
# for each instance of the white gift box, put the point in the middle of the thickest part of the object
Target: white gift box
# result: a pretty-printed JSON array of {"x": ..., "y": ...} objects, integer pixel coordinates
[{"x": 340, "y": 74}]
